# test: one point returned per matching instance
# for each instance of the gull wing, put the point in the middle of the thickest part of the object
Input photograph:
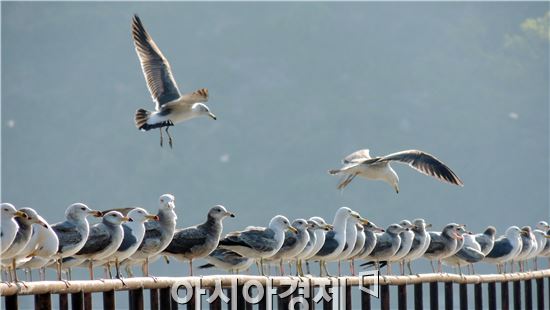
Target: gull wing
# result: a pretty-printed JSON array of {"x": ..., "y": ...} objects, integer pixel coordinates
[
  {"x": 185, "y": 239},
  {"x": 357, "y": 156},
  {"x": 98, "y": 239},
  {"x": 426, "y": 164},
  {"x": 155, "y": 66},
  {"x": 67, "y": 233}
]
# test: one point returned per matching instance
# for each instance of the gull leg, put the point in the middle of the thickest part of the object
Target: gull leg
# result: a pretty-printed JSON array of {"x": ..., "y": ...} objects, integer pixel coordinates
[
  {"x": 432, "y": 263},
  {"x": 160, "y": 130},
  {"x": 289, "y": 267},
  {"x": 352, "y": 266},
  {"x": 307, "y": 267},
  {"x": 439, "y": 266},
  {"x": 91, "y": 269},
  {"x": 169, "y": 136},
  {"x": 339, "y": 269},
  {"x": 409, "y": 266},
  {"x": 190, "y": 260},
  {"x": 320, "y": 268}
]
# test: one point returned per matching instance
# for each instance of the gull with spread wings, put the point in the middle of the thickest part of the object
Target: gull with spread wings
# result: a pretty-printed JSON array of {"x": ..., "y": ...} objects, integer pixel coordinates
[
  {"x": 171, "y": 106},
  {"x": 360, "y": 163}
]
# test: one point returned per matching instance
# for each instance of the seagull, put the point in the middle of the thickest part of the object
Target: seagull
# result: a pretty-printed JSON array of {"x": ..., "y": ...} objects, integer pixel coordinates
[
  {"x": 505, "y": 248},
  {"x": 104, "y": 239},
  {"x": 316, "y": 231},
  {"x": 543, "y": 227},
  {"x": 259, "y": 242},
  {"x": 335, "y": 240},
  {"x": 22, "y": 238},
  {"x": 407, "y": 237},
  {"x": 387, "y": 244},
  {"x": 528, "y": 244},
  {"x": 9, "y": 227},
  {"x": 198, "y": 241},
  {"x": 158, "y": 235},
  {"x": 134, "y": 231},
  {"x": 443, "y": 244},
  {"x": 357, "y": 248},
  {"x": 420, "y": 243},
  {"x": 40, "y": 248},
  {"x": 294, "y": 243},
  {"x": 360, "y": 163},
  {"x": 351, "y": 239},
  {"x": 469, "y": 253},
  {"x": 319, "y": 237},
  {"x": 171, "y": 106},
  {"x": 371, "y": 231},
  {"x": 227, "y": 260}
]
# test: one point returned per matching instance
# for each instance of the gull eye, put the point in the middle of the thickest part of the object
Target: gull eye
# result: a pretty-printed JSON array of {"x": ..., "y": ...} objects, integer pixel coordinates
[{"x": 82, "y": 208}]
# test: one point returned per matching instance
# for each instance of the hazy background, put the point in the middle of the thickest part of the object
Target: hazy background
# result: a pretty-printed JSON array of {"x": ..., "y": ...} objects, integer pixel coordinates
[{"x": 296, "y": 87}]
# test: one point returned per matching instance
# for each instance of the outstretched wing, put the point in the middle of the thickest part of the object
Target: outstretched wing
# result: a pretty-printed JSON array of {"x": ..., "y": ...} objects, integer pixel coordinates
[
  {"x": 155, "y": 66},
  {"x": 357, "y": 156},
  {"x": 426, "y": 164}
]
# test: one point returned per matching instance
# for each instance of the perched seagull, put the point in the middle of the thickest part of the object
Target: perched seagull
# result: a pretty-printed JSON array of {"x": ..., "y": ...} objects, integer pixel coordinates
[
  {"x": 103, "y": 240},
  {"x": 407, "y": 237},
  {"x": 259, "y": 242},
  {"x": 9, "y": 227},
  {"x": 134, "y": 231},
  {"x": 387, "y": 244},
  {"x": 171, "y": 107},
  {"x": 528, "y": 244},
  {"x": 335, "y": 240},
  {"x": 319, "y": 237},
  {"x": 469, "y": 253},
  {"x": 294, "y": 244},
  {"x": 420, "y": 243},
  {"x": 545, "y": 250},
  {"x": 198, "y": 241},
  {"x": 73, "y": 232},
  {"x": 227, "y": 260},
  {"x": 40, "y": 248},
  {"x": 316, "y": 232},
  {"x": 505, "y": 248},
  {"x": 371, "y": 235},
  {"x": 360, "y": 163},
  {"x": 357, "y": 248},
  {"x": 158, "y": 235},
  {"x": 351, "y": 239},
  {"x": 486, "y": 240},
  {"x": 16, "y": 250},
  {"x": 443, "y": 244}
]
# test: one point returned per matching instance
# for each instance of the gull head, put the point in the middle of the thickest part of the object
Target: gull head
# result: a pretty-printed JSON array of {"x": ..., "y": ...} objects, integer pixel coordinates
[
  {"x": 490, "y": 231},
  {"x": 200, "y": 108},
  {"x": 395, "y": 229},
  {"x": 321, "y": 223},
  {"x": 313, "y": 225},
  {"x": 167, "y": 202},
  {"x": 33, "y": 217},
  {"x": 392, "y": 179},
  {"x": 513, "y": 232},
  {"x": 79, "y": 211},
  {"x": 115, "y": 218},
  {"x": 9, "y": 211},
  {"x": 280, "y": 222},
  {"x": 454, "y": 230},
  {"x": 219, "y": 212},
  {"x": 301, "y": 225},
  {"x": 407, "y": 224},
  {"x": 542, "y": 225},
  {"x": 372, "y": 227},
  {"x": 140, "y": 215}
]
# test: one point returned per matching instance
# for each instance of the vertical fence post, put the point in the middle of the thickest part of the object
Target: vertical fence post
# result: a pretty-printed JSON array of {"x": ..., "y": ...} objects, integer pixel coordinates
[
  {"x": 478, "y": 296},
  {"x": 88, "y": 301},
  {"x": 504, "y": 296},
  {"x": 310, "y": 295},
  {"x": 327, "y": 304},
  {"x": 449, "y": 295},
  {"x": 385, "y": 297},
  {"x": 517, "y": 294},
  {"x": 165, "y": 298},
  {"x": 63, "y": 302},
  {"x": 136, "y": 299},
  {"x": 11, "y": 302},
  {"x": 418, "y": 297},
  {"x": 528, "y": 288},
  {"x": 154, "y": 298},
  {"x": 348, "y": 297},
  {"x": 42, "y": 301},
  {"x": 540, "y": 293},
  {"x": 216, "y": 304},
  {"x": 109, "y": 300},
  {"x": 492, "y": 295},
  {"x": 434, "y": 298},
  {"x": 402, "y": 297},
  {"x": 77, "y": 301},
  {"x": 463, "y": 292},
  {"x": 365, "y": 299}
]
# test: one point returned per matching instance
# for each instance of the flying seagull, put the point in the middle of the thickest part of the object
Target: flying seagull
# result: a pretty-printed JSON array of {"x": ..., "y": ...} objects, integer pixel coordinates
[
  {"x": 360, "y": 163},
  {"x": 171, "y": 106}
]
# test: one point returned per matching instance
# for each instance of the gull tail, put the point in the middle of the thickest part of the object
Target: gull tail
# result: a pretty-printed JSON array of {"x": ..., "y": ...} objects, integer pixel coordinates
[
  {"x": 334, "y": 171},
  {"x": 206, "y": 266},
  {"x": 141, "y": 118}
]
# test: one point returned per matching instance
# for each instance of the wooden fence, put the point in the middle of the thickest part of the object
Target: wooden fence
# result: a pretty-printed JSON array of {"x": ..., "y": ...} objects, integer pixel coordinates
[{"x": 309, "y": 289}]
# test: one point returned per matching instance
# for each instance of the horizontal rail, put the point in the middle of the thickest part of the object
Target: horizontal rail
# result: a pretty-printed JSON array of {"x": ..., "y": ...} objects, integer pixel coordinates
[{"x": 91, "y": 286}]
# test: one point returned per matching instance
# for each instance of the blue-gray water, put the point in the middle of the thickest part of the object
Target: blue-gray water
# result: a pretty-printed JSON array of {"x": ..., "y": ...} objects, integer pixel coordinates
[{"x": 295, "y": 86}]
